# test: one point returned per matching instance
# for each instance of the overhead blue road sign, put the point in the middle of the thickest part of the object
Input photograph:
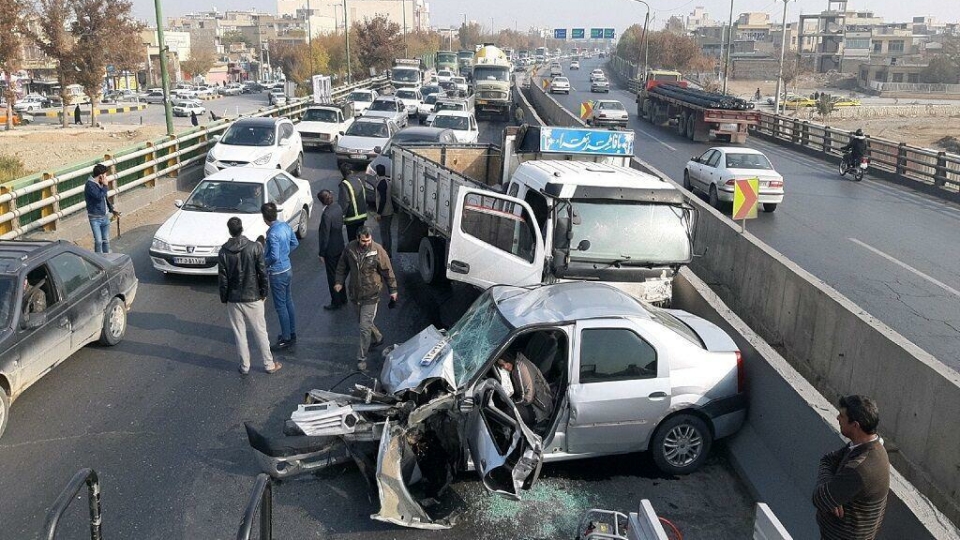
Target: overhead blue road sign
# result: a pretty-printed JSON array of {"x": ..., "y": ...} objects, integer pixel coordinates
[
  {"x": 578, "y": 33},
  {"x": 560, "y": 33},
  {"x": 609, "y": 33},
  {"x": 596, "y": 33}
]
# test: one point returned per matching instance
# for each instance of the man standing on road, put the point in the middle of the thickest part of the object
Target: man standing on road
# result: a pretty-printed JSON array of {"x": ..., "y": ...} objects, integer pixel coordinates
[
  {"x": 353, "y": 201},
  {"x": 98, "y": 204},
  {"x": 384, "y": 209},
  {"x": 331, "y": 245},
  {"x": 279, "y": 243},
  {"x": 368, "y": 266},
  {"x": 243, "y": 288},
  {"x": 853, "y": 482}
]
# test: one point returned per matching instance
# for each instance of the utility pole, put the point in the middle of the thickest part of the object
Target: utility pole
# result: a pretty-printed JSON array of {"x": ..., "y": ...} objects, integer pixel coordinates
[
  {"x": 726, "y": 63},
  {"x": 164, "y": 76},
  {"x": 346, "y": 34},
  {"x": 310, "y": 37},
  {"x": 783, "y": 46},
  {"x": 403, "y": 7}
]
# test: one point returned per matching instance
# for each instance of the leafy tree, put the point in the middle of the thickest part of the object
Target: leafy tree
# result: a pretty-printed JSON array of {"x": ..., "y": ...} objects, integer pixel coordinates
[
  {"x": 676, "y": 26},
  {"x": 236, "y": 36},
  {"x": 203, "y": 56},
  {"x": 824, "y": 105},
  {"x": 335, "y": 47},
  {"x": 424, "y": 43},
  {"x": 13, "y": 16},
  {"x": 52, "y": 36},
  {"x": 940, "y": 70},
  {"x": 99, "y": 27},
  {"x": 471, "y": 35},
  {"x": 378, "y": 42},
  {"x": 294, "y": 59}
]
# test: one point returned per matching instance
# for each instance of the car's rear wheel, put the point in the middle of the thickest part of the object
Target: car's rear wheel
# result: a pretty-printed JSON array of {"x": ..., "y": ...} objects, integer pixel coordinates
[
  {"x": 681, "y": 444},
  {"x": 769, "y": 207},
  {"x": 714, "y": 197},
  {"x": 686, "y": 181},
  {"x": 303, "y": 223},
  {"x": 114, "y": 322},
  {"x": 430, "y": 260},
  {"x": 298, "y": 168},
  {"x": 4, "y": 411}
]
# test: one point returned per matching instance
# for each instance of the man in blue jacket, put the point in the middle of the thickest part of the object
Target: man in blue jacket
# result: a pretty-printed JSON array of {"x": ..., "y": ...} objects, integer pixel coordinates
[
  {"x": 95, "y": 195},
  {"x": 280, "y": 242}
]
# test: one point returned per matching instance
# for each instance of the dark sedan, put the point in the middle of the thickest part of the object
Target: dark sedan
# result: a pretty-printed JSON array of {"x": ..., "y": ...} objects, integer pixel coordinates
[{"x": 55, "y": 298}]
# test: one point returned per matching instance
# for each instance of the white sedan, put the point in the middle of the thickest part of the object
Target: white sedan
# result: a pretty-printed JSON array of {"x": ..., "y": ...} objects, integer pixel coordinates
[
  {"x": 189, "y": 241},
  {"x": 560, "y": 84},
  {"x": 411, "y": 98},
  {"x": 184, "y": 107},
  {"x": 463, "y": 124},
  {"x": 715, "y": 173}
]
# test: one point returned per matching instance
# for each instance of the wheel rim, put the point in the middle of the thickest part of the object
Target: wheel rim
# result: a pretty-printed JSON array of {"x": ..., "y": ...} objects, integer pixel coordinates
[
  {"x": 302, "y": 226},
  {"x": 118, "y": 321},
  {"x": 682, "y": 445}
]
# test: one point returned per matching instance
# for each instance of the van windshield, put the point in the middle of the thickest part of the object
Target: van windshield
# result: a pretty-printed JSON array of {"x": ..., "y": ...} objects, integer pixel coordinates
[{"x": 633, "y": 233}]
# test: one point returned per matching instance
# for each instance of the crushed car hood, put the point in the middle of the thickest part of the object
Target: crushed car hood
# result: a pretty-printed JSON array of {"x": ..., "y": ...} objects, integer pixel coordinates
[{"x": 421, "y": 358}]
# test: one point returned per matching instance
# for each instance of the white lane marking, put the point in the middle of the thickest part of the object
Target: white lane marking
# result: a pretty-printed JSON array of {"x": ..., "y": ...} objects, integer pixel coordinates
[
  {"x": 906, "y": 266},
  {"x": 672, "y": 149}
]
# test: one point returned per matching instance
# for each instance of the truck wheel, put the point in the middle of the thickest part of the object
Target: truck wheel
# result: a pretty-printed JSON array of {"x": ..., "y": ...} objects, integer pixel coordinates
[
  {"x": 691, "y": 126},
  {"x": 682, "y": 125},
  {"x": 114, "y": 323},
  {"x": 681, "y": 444},
  {"x": 431, "y": 257}
]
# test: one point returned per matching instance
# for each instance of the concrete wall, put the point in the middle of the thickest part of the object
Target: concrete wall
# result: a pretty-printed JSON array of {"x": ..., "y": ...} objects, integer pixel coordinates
[
  {"x": 789, "y": 427},
  {"x": 550, "y": 109}
]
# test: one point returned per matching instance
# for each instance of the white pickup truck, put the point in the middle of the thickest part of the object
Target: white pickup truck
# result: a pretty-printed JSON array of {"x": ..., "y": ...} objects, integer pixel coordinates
[
  {"x": 554, "y": 204},
  {"x": 322, "y": 125}
]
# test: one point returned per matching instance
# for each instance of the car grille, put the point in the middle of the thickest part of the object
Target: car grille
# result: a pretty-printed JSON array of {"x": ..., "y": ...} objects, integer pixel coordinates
[
  {"x": 196, "y": 250},
  {"x": 225, "y": 164},
  {"x": 487, "y": 94}
]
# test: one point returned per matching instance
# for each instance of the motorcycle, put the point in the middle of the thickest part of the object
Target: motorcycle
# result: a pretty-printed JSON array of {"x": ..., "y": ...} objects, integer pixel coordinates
[{"x": 856, "y": 168}]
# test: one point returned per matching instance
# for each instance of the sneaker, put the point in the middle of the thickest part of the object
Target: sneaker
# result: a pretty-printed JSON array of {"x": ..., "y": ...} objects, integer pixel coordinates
[
  {"x": 276, "y": 368},
  {"x": 282, "y": 344},
  {"x": 243, "y": 371},
  {"x": 362, "y": 365}
]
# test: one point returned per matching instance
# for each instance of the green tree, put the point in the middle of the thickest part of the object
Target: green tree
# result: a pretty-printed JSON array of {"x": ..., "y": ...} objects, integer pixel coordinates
[
  {"x": 203, "y": 56},
  {"x": 378, "y": 42},
  {"x": 940, "y": 70},
  {"x": 51, "y": 34},
  {"x": 471, "y": 35},
  {"x": 13, "y": 18}
]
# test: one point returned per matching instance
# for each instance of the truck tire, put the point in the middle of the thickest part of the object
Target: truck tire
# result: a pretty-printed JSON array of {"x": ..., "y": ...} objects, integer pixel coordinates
[
  {"x": 691, "y": 126},
  {"x": 431, "y": 260},
  {"x": 682, "y": 125}
]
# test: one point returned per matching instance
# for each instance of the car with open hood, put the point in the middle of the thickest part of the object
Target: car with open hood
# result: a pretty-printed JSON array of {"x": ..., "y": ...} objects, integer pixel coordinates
[{"x": 621, "y": 376}]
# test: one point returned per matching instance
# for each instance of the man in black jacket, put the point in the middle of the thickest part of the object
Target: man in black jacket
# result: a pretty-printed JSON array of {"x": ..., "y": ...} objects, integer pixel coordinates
[
  {"x": 857, "y": 146},
  {"x": 331, "y": 245},
  {"x": 243, "y": 288}
]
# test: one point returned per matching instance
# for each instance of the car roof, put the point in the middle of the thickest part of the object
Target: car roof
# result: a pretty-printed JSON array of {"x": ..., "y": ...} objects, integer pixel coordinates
[
  {"x": 418, "y": 133},
  {"x": 372, "y": 119},
  {"x": 539, "y": 173},
  {"x": 15, "y": 254},
  {"x": 464, "y": 114},
  {"x": 737, "y": 150},
  {"x": 386, "y": 98},
  {"x": 255, "y": 175},
  {"x": 258, "y": 122},
  {"x": 568, "y": 301}
]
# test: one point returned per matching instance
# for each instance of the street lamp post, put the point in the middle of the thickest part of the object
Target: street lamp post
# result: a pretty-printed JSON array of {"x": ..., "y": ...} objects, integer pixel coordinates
[
  {"x": 783, "y": 46},
  {"x": 403, "y": 7},
  {"x": 644, "y": 40},
  {"x": 346, "y": 33},
  {"x": 164, "y": 76}
]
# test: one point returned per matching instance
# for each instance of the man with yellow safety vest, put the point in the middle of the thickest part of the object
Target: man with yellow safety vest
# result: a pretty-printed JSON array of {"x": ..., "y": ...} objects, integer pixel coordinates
[{"x": 353, "y": 200}]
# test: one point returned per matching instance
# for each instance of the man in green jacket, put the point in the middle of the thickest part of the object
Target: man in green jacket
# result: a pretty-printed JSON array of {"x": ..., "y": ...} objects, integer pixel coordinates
[{"x": 368, "y": 266}]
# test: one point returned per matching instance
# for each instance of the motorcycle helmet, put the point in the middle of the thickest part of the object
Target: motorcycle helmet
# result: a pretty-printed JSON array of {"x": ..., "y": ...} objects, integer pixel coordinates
[{"x": 859, "y": 133}]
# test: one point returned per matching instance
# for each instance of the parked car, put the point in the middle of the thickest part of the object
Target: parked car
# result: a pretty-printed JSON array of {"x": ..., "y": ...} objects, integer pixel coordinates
[
  {"x": 251, "y": 87},
  {"x": 600, "y": 85},
  {"x": 388, "y": 107},
  {"x": 154, "y": 97},
  {"x": 715, "y": 171},
  {"x": 845, "y": 102},
  {"x": 184, "y": 93},
  {"x": 204, "y": 90},
  {"x": 362, "y": 99},
  {"x": 574, "y": 65},
  {"x": 608, "y": 113},
  {"x": 411, "y": 98},
  {"x": 323, "y": 125},
  {"x": 186, "y": 107},
  {"x": 188, "y": 241},
  {"x": 463, "y": 124},
  {"x": 30, "y": 104},
  {"x": 233, "y": 89},
  {"x": 560, "y": 84},
  {"x": 408, "y": 136},
  {"x": 56, "y": 297},
  {"x": 364, "y": 140},
  {"x": 622, "y": 376},
  {"x": 257, "y": 142}
]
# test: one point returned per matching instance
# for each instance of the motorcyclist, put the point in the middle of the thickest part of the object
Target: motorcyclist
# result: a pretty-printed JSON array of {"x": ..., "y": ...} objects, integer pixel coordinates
[{"x": 857, "y": 147}]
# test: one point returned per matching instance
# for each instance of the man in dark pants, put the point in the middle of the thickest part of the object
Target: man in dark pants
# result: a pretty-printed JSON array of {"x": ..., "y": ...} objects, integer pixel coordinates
[
  {"x": 853, "y": 482},
  {"x": 531, "y": 392},
  {"x": 331, "y": 245},
  {"x": 384, "y": 209},
  {"x": 353, "y": 201}
]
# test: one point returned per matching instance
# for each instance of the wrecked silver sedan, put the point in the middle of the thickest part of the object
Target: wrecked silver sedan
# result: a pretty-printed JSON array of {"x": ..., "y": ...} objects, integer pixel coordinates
[{"x": 623, "y": 377}]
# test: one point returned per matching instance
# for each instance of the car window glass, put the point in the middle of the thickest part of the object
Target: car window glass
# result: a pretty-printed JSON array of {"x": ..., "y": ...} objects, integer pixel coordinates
[
  {"x": 73, "y": 271},
  {"x": 504, "y": 225},
  {"x": 714, "y": 159},
  {"x": 39, "y": 292},
  {"x": 706, "y": 156},
  {"x": 287, "y": 187},
  {"x": 274, "y": 193},
  {"x": 615, "y": 354}
]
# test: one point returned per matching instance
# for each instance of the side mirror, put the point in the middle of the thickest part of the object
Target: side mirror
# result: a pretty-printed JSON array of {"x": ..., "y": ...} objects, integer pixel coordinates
[
  {"x": 178, "y": 203},
  {"x": 340, "y": 132},
  {"x": 377, "y": 149},
  {"x": 216, "y": 138},
  {"x": 695, "y": 159}
]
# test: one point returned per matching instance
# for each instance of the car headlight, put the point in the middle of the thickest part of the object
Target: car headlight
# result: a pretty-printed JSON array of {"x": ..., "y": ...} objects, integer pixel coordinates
[
  {"x": 211, "y": 158},
  {"x": 160, "y": 245},
  {"x": 263, "y": 160}
]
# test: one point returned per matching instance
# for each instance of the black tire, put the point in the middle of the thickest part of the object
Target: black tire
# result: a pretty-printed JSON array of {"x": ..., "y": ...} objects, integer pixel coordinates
[
  {"x": 681, "y": 444},
  {"x": 431, "y": 257},
  {"x": 858, "y": 174},
  {"x": 842, "y": 166},
  {"x": 769, "y": 207},
  {"x": 4, "y": 411},
  {"x": 686, "y": 181},
  {"x": 303, "y": 224},
  {"x": 691, "y": 126},
  {"x": 298, "y": 168},
  {"x": 682, "y": 125},
  {"x": 114, "y": 323},
  {"x": 714, "y": 197}
]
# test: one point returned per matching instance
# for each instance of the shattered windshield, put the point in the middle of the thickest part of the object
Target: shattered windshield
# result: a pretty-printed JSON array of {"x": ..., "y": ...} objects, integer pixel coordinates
[{"x": 481, "y": 330}]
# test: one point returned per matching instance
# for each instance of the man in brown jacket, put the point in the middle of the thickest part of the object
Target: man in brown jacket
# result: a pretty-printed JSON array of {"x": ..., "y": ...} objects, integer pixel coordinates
[
  {"x": 368, "y": 266},
  {"x": 853, "y": 482}
]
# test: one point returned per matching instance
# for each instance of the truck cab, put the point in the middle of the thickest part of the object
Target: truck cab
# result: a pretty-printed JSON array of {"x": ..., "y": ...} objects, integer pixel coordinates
[{"x": 406, "y": 73}]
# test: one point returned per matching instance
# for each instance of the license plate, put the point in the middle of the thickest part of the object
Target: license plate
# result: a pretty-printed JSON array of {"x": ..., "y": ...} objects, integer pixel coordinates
[
  {"x": 189, "y": 260},
  {"x": 356, "y": 156}
]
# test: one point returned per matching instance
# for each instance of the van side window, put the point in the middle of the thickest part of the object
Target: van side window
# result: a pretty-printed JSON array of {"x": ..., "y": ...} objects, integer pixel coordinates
[{"x": 538, "y": 204}]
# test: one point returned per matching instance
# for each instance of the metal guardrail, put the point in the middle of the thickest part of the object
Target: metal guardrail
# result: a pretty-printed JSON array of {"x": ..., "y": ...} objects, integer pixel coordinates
[
  {"x": 930, "y": 167},
  {"x": 83, "y": 476},
  {"x": 40, "y": 201},
  {"x": 260, "y": 499}
]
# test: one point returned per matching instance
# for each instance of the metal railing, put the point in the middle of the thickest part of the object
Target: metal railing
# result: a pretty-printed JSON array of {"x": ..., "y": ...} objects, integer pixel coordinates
[
  {"x": 261, "y": 499},
  {"x": 83, "y": 476},
  {"x": 40, "y": 201},
  {"x": 933, "y": 168}
]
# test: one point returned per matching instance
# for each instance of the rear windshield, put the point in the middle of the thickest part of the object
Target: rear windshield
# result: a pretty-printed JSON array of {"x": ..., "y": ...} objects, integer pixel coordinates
[
  {"x": 748, "y": 161},
  {"x": 383, "y": 106},
  {"x": 611, "y": 105},
  {"x": 452, "y": 122},
  {"x": 406, "y": 94},
  {"x": 667, "y": 319},
  {"x": 361, "y": 96}
]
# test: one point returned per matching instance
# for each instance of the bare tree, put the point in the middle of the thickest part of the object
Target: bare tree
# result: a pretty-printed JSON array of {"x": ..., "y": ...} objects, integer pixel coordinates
[
  {"x": 52, "y": 36},
  {"x": 379, "y": 42},
  {"x": 203, "y": 56},
  {"x": 13, "y": 14}
]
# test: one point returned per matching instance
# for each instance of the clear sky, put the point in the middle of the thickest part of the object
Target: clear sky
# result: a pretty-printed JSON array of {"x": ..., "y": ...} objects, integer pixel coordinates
[{"x": 597, "y": 13}]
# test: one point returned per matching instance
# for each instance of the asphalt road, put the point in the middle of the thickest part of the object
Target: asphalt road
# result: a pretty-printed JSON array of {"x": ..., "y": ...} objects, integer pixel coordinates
[
  {"x": 160, "y": 417},
  {"x": 891, "y": 250}
]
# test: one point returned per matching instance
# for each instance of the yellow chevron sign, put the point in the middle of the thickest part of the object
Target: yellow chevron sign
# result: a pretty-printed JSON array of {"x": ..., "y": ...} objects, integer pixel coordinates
[{"x": 586, "y": 110}]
